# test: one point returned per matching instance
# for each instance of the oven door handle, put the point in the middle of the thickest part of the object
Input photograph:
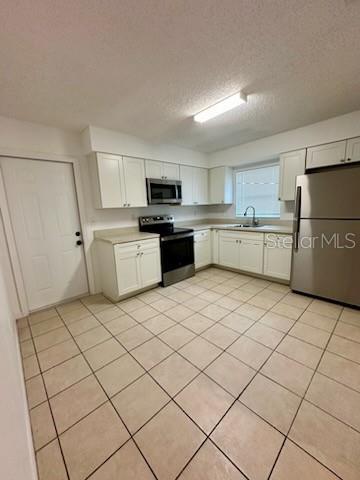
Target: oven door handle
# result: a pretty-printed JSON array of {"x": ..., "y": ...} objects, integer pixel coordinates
[{"x": 177, "y": 237}]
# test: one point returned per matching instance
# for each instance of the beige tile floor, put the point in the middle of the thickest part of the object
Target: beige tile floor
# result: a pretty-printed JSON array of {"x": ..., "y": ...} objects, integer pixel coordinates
[{"x": 221, "y": 376}]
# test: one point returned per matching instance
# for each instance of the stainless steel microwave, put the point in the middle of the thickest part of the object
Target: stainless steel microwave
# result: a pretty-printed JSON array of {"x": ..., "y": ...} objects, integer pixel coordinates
[{"x": 160, "y": 192}]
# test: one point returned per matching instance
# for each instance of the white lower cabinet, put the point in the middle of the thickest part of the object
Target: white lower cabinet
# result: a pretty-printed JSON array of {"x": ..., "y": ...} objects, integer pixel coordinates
[
  {"x": 250, "y": 252},
  {"x": 215, "y": 246},
  {"x": 150, "y": 270},
  {"x": 202, "y": 248},
  {"x": 128, "y": 267},
  {"x": 277, "y": 256},
  {"x": 229, "y": 249},
  {"x": 251, "y": 255},
  {"x": 243, "y": 251}
]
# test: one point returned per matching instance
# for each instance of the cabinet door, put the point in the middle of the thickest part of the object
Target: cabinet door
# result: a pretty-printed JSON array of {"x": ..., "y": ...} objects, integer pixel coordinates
[
  {"x": 220, "y": 185},
  {"x": 228, "y": 250},
  {"x": 202, "y": 242},
  {"x": 292, "y": 164},
  {"x": 201, "y": 186},
  {"x": 134, "y": 181},
  {"x": 127, "y": 268},
  {"x": 326, "y": 155},
  {"x": 251, "y": 255},
  {"x": 353, "y": 150},
  {"x": 171, "y": 171},
  {"x": 186, "y": 177},
  {"x": 215, "y": 246},
  {"x": 110, "y": 187},
  {"x": 153, "y": 169},
  {"x": 150, "y": 270},
  {"x": 277, "y": 256}
]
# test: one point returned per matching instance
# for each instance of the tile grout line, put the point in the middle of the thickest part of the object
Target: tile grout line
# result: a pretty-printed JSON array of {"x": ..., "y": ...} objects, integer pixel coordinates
[
  {"x": 54, "y": 424},
  {"x": 303, "y": 399},
  {"x": 175, "y": 351},
  {"x": 123, "y": 423}
]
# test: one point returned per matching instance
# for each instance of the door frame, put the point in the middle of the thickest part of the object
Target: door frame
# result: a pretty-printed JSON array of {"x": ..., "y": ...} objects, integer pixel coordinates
[{"x": 4, "y": 207}]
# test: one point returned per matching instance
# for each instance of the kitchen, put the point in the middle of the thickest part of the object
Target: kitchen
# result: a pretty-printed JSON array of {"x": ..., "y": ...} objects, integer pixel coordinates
[{"x": 179, "y": 257}]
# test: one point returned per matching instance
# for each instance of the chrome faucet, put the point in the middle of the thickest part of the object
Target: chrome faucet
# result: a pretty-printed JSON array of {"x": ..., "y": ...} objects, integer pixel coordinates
[{"x": 255, "y": 222}]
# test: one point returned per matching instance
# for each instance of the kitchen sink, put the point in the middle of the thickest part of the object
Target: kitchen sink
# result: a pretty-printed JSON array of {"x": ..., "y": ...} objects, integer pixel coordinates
[{"x": 246, "y": 225}]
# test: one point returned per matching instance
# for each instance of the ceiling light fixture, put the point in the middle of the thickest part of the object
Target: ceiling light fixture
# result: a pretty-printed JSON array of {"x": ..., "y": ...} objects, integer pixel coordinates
[{"x": 221, "y": 107}]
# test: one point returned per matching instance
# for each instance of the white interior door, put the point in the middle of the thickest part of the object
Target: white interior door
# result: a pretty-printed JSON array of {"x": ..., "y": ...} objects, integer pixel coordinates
[{"x": 44, "y": 214}]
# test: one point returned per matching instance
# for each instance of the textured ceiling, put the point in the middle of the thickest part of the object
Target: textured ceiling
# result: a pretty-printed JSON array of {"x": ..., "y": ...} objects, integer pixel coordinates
[{"x": 145, "y": 66}]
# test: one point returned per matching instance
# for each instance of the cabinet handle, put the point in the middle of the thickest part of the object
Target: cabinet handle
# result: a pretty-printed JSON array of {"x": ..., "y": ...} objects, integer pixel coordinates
[
  {"x": 348, "y": 159},
  {"x": 124, "y": 204},
  {"x": 342, "y": 160}
]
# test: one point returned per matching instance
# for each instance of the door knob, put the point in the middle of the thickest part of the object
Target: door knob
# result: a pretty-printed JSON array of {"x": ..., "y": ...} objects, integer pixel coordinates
[
  {"x": 78, "y": 234},
  {"x": 79, "y": 242}
]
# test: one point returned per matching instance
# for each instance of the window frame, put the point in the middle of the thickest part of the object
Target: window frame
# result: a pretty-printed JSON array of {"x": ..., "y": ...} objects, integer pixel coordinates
[{"x": 251, "y": 167}]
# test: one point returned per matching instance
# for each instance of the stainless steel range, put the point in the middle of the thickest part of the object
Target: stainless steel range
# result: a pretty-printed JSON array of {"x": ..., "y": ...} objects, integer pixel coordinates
[{"x": 176, "y": 247}]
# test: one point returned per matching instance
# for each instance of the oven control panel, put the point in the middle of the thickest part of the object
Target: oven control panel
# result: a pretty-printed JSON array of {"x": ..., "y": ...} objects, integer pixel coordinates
[{"x": 156, "y": 220}]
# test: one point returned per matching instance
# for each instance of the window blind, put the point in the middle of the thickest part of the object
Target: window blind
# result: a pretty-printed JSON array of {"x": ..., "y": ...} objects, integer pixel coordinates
[{"x": 258, "y": 187}]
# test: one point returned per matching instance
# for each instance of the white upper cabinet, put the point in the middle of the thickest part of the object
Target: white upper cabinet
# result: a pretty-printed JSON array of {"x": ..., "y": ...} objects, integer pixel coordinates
[
  {"x": 134, "y": 181},
  {"x": 107, "y": 186},
  {"x": 171, "y": 171},
  {"x": 153, "y": 169},
  {"x": 201, "y": 186},
  {"x": 163, "y": 170},
  {"x": 187, "y": 181},
  {"x": 194, "y": 186},
  {"x": 221, "y": 185},
  {"x": 326, "y": 155},
  {"x": 118, "y": 182},
  {"x": 292, "y": 164},
  {"x": 353, "y": 150}
]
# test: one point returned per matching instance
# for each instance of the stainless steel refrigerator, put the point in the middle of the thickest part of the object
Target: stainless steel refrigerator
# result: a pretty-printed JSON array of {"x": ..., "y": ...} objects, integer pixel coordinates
[{"x": 326, "y": 248}]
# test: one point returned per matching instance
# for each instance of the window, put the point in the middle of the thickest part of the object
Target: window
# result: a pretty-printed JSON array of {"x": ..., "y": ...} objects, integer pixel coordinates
[{"x": 258, "y": 187}]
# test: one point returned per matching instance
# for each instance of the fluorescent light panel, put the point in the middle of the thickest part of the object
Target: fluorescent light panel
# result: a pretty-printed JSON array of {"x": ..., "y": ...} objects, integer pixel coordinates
[{"x": 221, "y": 107}]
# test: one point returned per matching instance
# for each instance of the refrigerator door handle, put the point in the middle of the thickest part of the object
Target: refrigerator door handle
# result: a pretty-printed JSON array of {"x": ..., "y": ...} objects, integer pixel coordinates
[{"x": 297, "y": 218}]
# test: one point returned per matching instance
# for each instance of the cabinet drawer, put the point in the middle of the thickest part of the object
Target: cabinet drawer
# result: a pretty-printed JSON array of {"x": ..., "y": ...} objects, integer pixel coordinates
[
  {"x": 125, "y": 249},
  {"x": 203, "y": 236},
  {"x": 278, "y": 240},
  {"x": 148, "y": 244},
  {"x": 241, "y": 235}
]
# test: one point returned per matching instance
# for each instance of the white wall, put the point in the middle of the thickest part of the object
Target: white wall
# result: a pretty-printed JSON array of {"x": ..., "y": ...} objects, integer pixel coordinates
[
  {"x": 31, "y": 140},
  {"x": 16, "y": 450},
  {"x": 337, "y": 128},
  {"x": 25, "y": 138},
  {"x": 97, "y": 139}
]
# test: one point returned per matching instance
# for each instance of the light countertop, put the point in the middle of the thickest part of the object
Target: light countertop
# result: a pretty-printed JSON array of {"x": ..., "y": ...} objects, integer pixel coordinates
[
  {"x": 132, "y": 234},
  {"x": 262, "y": 229},
  {"x": 122, "y": 235}
]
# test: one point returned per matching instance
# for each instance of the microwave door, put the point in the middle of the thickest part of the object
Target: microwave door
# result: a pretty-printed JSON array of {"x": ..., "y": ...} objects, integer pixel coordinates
[{"x": 162, "y": 191}]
